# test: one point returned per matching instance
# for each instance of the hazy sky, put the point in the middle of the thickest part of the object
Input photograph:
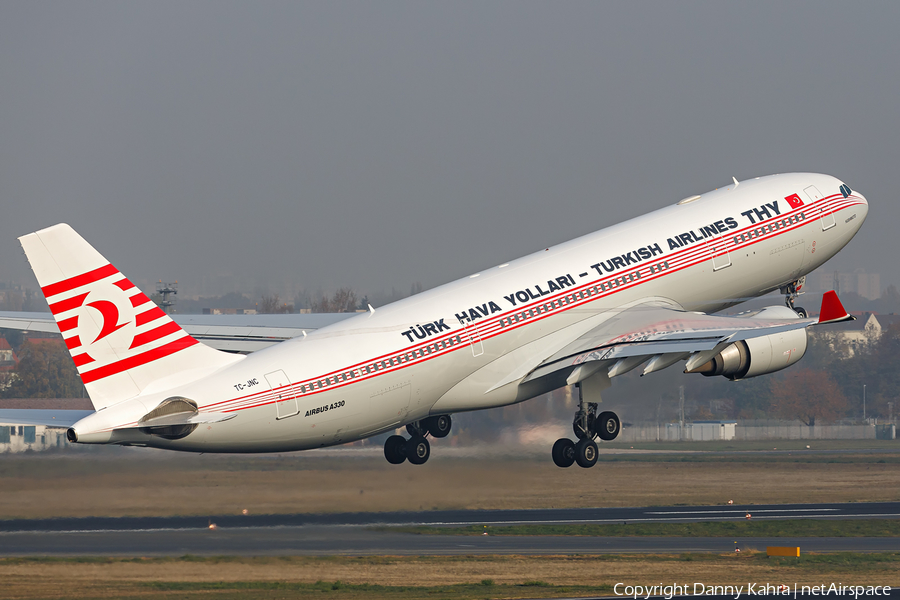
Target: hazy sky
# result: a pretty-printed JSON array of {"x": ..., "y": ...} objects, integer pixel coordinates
[{"x": 377, "y": 144}]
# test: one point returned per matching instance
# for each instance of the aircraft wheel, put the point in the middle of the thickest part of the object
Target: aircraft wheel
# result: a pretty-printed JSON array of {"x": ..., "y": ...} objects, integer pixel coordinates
[
  {"x": 801, "y": 312},
  {"x": 586, "y": 453},
  {"x": 439, "y": 426},
  {"x": 581, "y": 433},
  {"x": 608, "y": 426},
  {"x": 418, "y": 450},
  {"x": 395, "y": 449},
  {"x": 563, "y": 452}
]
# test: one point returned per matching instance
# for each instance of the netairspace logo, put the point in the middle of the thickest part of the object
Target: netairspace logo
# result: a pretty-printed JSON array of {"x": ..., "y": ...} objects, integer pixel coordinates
[{"x": 751, "y": 589}]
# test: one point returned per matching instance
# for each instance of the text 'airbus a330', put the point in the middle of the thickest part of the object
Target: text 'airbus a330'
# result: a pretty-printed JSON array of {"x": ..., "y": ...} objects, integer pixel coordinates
[{"x": 580, "y": 313}]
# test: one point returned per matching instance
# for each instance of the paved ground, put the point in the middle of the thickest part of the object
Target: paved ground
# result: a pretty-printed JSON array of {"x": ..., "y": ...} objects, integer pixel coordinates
[{"x": 349, "y": 533}]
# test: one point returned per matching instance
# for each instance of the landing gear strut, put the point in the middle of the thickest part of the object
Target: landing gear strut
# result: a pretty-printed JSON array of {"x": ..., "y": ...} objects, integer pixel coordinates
[
  {"x": 416, "y": 449},
  {"x": 791, "y": 291},
  {"x": 587, "y": 425}
]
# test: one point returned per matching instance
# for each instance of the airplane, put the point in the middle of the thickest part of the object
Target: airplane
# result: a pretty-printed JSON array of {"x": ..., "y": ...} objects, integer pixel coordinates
[{"x": 639, "y": 293}]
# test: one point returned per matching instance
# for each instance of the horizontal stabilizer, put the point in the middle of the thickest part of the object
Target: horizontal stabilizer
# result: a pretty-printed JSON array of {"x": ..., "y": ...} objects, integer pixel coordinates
[{"x": 186, "y": 418}]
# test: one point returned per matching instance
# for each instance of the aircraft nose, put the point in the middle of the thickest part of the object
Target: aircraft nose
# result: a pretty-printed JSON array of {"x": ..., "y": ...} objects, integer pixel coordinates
[{"x": 864, "y": 207}]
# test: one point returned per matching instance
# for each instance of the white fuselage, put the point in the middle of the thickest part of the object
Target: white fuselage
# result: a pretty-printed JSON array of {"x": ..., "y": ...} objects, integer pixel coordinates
[{"x": 468, "y": 345}]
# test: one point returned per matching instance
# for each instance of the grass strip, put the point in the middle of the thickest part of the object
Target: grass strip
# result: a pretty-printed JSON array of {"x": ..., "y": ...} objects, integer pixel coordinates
[
  {"x": 343, "y": 589},
  {"x": 765, "y": 528},
  {"x": 412, "y": 578}
]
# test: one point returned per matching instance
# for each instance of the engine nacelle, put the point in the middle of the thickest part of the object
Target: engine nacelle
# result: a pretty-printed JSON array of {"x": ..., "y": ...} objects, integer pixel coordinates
[{"x": 757, "y": 356}]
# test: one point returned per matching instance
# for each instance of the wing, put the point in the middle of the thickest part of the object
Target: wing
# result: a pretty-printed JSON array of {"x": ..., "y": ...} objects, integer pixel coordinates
[
  {"x": 28, "y": 321},
  {"x": 232, "y": 333},
  {"x": 37, "y": 416},
  {"x": 664, "y": 335}
]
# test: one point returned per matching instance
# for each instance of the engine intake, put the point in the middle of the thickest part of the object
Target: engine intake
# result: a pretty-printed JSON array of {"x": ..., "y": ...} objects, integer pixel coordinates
[{"x": 756, "y": 356}]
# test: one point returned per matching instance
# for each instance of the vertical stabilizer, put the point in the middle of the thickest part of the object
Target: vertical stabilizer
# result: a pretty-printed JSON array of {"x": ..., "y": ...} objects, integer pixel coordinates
[{"x": 119, "y": 340}]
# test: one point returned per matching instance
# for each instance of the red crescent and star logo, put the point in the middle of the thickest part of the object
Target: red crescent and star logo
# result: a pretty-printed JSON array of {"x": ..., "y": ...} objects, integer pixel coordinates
[{"x": 110, "y": 314}]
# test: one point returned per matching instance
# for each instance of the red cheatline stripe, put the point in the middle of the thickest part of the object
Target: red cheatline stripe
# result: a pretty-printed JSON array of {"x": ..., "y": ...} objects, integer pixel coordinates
[
  {"x": 139, "y": 299},
  {"x": 150, "y": 315},
  {"x": 124, "y": 284},
  {"x": 82, "y": 359},
  {"x": 68, "y": 304},
  {"x": 67, "y": 324},
  {"x": 679, "y": 260},
  {"x": 138, "y": 360},
  {"x": 154, "y": 334},
  {"x": 73, "y": 342},
  {"x": 79, "y": 280}
]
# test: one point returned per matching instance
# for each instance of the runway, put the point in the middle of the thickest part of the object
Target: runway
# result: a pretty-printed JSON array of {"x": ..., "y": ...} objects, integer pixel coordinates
[{"x": 353, "y": 533}]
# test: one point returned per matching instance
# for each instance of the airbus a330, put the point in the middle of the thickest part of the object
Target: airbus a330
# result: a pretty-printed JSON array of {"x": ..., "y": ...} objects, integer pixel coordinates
[{"x": 639, "y": 294}]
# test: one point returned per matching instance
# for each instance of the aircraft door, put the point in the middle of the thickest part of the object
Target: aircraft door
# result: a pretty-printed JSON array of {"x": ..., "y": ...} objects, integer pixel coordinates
[
  {"x": 718, "y": 251},
  {"x": 471, "y": 333},
  {"x": 826, "y": 216},
  {"x": 285, "y": 401}
]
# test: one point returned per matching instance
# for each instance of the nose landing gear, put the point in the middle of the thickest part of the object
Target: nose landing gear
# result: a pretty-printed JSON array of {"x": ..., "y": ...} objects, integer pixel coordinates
[
  {"x": 587, "y": 425},
  {"x": 416, "y": 449},
  {"x": 791, "y": 291}
]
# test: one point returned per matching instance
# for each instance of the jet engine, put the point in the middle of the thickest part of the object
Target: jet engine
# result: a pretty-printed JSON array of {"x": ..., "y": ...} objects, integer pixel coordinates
[{"x": 756, "y": 356}]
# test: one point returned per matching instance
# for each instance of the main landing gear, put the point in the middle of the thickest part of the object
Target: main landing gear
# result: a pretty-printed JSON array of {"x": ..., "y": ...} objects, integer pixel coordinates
[
  {"x": 416, "y": 449},
  {"x": 791, "y": 292},
  {"x": 587, "y": 426}
]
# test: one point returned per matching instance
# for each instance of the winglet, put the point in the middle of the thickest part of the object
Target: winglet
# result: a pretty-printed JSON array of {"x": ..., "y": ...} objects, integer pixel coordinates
[{"x": 832, "y": 310}]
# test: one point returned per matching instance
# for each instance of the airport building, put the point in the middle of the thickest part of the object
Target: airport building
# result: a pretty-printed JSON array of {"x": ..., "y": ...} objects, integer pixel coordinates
[{"x": 21, "y": 438}]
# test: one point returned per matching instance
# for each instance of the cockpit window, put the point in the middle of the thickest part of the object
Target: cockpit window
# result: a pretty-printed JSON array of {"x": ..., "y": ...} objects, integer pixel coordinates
[{"x": 845, "y": 189}]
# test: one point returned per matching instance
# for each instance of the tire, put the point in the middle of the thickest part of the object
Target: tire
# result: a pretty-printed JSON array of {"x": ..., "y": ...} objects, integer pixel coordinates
[
  {"x": 608, "y": 426},
  {"x": 563, "y": 453},
  {"x": 395, "y": 449},
  {"x": 413, "y": 430},
  {"x": 801, "y": 312},
  {"x": 576, "y": 428},
  {"x": 586, "y": 453},
  {"x": 418, "y": 450},
  {"x": 438, "y": 426}
]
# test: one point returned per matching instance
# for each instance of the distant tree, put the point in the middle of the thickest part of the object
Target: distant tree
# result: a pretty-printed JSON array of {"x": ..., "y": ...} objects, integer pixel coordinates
[
  {"x": 343, "y": 300},
  {"x": 268, "y": 304},
  {"x": 14, "y": 337},
  {"x": 44, "y": 371},
  {"x": 271, "y": 305},
  {"x": 23, "y": 300},
  {"x": 808, "y": 396},
  {"x": 878, "y": 371},
  {"x": 303, "y": 300}
]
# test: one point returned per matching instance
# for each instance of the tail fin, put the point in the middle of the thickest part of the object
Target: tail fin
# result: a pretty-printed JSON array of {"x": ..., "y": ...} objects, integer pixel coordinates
[{"x": 119, "y": 340}]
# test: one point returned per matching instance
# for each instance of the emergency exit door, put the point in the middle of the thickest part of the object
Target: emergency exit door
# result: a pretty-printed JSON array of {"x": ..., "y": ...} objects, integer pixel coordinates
[
  {"x": 285, "y": 400},
  {"x": 826, "y": 216}
]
